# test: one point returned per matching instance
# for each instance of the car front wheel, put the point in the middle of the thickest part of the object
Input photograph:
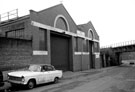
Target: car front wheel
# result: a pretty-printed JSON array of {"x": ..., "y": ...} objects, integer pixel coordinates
[
  {"x": 56, "y": 79},
  {"x": 31, "y": 84}
]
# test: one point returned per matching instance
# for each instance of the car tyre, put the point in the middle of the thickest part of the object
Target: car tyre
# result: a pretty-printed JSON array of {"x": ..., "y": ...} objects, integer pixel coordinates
[
  {"x": 31, "y": 84},
  {"x": 56, "y": 79}
]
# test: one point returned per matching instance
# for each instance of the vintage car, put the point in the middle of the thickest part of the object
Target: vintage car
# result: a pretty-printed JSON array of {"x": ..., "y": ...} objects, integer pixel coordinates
[{"x": 35, "y": 74}]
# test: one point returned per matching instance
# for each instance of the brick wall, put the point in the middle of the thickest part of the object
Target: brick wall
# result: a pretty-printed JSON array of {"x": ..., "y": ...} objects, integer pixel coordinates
[
  {"x": 127, "y": 56},
  {"x": 14, "y": 53}
]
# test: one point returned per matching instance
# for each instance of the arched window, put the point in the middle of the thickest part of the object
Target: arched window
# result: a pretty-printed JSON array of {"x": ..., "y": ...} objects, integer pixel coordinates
[
  {"x": 61, "y": 23},
  {"x": 91, "y": 34}
]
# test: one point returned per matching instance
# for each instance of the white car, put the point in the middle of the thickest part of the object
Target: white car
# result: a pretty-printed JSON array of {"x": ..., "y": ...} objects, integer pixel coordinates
[{"x": 35, "y": 74}]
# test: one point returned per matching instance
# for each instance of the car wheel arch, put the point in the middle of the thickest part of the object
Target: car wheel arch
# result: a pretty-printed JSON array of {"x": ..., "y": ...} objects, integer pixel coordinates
[
  {"x": 33, "y": 80},
  {"x": 56, "y": 79}
]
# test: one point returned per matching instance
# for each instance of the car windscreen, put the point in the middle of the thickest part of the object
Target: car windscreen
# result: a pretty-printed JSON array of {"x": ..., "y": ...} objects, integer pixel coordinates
[{"x": 35, "y": 68}]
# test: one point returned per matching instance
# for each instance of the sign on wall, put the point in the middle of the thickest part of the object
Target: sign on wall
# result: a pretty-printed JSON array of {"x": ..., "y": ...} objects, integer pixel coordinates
[
  {"x": 40, "y": 52},
  {"x": 80, "y": 33},
  {"x": 97, "y": 55}
]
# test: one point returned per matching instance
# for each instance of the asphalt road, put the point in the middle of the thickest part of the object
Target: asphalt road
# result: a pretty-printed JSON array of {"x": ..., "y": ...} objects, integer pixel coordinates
[{"x": 117, "y": 79}]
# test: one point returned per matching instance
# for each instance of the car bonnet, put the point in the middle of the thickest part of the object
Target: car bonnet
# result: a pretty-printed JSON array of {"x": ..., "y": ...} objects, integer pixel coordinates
[{"x": 23, "y": 73}]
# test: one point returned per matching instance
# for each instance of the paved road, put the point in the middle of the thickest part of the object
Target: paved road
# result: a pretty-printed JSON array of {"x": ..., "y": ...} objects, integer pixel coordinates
[{"x": 117, "y": 79}]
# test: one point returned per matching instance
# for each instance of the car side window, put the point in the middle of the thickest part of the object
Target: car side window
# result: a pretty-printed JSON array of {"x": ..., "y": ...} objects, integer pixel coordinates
[
  {"x": 50, "y": 68},
  {"x": 44, "y": 68}
]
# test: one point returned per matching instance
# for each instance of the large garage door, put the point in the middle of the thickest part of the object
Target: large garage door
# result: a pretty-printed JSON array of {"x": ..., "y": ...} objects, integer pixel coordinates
[{"x": 60, "y": 52}]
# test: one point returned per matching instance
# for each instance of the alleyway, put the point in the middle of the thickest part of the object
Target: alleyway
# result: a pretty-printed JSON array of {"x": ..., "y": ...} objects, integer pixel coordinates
[{"x": 116, "y": 79}]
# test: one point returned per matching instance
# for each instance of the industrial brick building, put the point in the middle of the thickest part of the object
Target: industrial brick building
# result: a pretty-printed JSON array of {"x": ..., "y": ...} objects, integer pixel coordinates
[{"x": 49, "y": 36}]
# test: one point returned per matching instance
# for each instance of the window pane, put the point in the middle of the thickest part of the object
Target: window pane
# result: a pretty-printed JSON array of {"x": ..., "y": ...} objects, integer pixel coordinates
[
  {"x": 85, "y": 45},
  {"x": 76, "y": 44},
  {"x": 96, "y": 46},
  {"x": 43, "y": 39}
]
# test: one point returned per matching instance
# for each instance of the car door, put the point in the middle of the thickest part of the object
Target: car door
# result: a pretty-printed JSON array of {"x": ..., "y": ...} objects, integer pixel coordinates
[
  {"x": 43, "y": 77},
  {"x": 51, "y": 73}
]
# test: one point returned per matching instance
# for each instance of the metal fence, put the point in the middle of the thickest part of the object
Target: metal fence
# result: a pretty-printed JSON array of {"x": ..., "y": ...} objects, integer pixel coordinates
[
  {"x": 121, "y": 44},
  {"x": 9, "y": 15}
]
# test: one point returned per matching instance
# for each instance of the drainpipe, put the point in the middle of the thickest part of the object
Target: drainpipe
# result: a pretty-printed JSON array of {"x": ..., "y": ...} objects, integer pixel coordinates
[{"x": 82, "y": 56}]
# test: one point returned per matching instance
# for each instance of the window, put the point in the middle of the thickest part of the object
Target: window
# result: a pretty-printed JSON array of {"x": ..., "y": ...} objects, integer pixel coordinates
[
  {"x": 50, "y": 68},
  {"x": 43, "y": 39},
  {"x": 16, "y": 33},
  {"x": 47, "y": 68},
  {"x": 76, "y": 44},
  {"x": 85, "y": 45},
  {"x": 61, "y": 22},
  {"x": 96, "y": 47},
  {"x": 91, "y": 34}
]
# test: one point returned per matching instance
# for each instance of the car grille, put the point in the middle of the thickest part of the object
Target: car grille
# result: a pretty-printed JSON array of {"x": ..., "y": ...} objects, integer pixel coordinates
[{"x": 15, "y": 78}]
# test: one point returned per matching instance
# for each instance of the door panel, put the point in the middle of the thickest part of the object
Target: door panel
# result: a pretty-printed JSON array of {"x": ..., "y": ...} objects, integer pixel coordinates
[{"x": 43, "y": 77}]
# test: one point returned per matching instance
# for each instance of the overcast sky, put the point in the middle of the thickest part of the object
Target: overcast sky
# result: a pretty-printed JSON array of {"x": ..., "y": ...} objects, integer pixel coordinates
[{"x": 114, "y": 20}]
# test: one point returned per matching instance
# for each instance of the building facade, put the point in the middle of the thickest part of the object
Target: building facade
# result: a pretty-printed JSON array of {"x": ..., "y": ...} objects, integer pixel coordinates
[{"x": 49, "y": 36}]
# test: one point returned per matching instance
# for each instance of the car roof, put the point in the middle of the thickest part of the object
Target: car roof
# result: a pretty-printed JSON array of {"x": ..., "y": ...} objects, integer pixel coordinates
[{"x": 42, "y": 64}]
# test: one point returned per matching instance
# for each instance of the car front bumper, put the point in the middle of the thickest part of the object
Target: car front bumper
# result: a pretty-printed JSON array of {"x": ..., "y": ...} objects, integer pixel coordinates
[{"x": 17, "y": 82}]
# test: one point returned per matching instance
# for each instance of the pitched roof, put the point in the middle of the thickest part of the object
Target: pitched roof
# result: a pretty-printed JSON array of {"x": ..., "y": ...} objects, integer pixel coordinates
[{"x": 55, "y": 7}]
